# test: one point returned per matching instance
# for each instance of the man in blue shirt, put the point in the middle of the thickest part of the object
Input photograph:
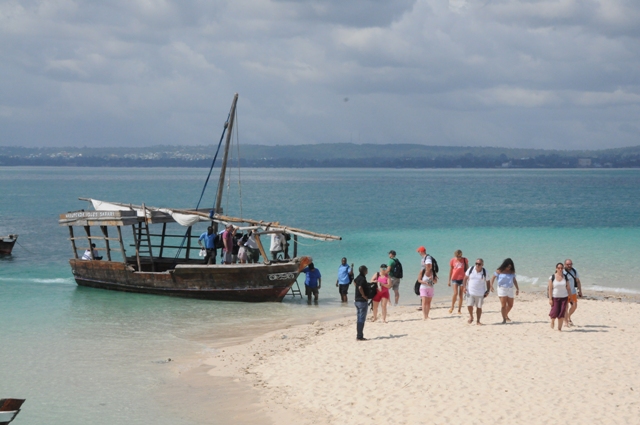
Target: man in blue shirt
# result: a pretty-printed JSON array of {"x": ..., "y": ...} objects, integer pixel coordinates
[
  {"x": 209, "y": 245},
  {"x": 312, "y": 282},
  {"x": 345, "y": 276}
]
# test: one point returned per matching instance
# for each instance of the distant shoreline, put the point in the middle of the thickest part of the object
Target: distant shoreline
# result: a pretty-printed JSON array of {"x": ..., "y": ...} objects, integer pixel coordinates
[
  {"x": 332, "y": 155},
  {"x": 360, "y": 164}
]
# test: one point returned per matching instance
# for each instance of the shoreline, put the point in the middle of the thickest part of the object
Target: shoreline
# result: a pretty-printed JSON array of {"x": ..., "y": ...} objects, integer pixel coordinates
[{"x": 295, "y": 372}]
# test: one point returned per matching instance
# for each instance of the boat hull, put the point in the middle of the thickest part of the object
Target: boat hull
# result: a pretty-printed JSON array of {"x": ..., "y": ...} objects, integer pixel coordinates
[
  {"x": 6, "y": 245},
  {"x": 9, "y": 408},
  {"x": 235, "y": 282}
]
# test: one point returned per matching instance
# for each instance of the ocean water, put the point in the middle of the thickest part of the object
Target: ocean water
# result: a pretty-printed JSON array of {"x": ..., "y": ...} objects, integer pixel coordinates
[{"x": 81, "y": 355}]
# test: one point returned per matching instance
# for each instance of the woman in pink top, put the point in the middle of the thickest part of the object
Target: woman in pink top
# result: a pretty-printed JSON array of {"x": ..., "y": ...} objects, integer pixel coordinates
[
  {"x": 384, "y": 283},
  {"x": 459, "y": 266}
]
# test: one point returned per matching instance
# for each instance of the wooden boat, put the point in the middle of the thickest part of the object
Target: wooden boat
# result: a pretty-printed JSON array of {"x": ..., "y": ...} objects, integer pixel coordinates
[
  {"x": 7, "y": 243},
  {"x": 154, "y": 269},
  {"x": 9, "y": 409}
]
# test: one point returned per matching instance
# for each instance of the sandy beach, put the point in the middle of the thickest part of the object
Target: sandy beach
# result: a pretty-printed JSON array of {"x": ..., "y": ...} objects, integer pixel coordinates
[{"x": 444, "y": 370}]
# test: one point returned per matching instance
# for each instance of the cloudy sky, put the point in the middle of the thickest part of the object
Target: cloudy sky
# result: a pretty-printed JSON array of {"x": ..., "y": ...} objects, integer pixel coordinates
[{"x": 514, "y": 73}]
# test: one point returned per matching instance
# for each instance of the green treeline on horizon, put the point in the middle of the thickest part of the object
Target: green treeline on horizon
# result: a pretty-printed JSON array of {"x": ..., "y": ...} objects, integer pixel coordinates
[{"x": 322, "y": 155}]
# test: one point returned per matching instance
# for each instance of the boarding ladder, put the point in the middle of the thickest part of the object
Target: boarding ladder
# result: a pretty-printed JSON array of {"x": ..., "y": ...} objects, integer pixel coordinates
[
  {"x": 140, "y": 249},
  {"x": 293, "y": 291}
]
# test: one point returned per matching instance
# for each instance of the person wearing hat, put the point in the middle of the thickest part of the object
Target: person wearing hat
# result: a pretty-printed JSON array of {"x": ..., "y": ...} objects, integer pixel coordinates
[
  {"x": 423, "y": 254},
  {"x": 394, "y": 269}
]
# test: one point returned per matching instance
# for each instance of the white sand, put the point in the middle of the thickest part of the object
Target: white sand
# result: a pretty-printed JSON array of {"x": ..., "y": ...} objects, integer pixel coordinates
[{"x": 446, "y": 371}]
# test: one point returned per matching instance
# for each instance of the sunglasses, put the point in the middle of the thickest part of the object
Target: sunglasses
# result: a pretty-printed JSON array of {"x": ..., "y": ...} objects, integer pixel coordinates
[{"x": 478, "y": 264}]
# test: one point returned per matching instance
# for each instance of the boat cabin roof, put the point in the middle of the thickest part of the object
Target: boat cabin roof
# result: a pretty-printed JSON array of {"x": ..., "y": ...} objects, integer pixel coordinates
[{"x": 111, "y": 218}]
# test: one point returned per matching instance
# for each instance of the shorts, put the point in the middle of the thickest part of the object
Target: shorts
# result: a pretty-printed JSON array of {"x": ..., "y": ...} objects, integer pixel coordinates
[
  {"x": 395, "y": 283},
  {"x": 457, "y": 282},
  {"x": 380, "y": 295},
  {"x": 308, "y": 290},
  {"x": 506, "y": 291},
  {"x": 426, "y": 291},
  {"x": 344, "y": 289},
  {"x": 475, "y": 300},
  {"x": 228, "y": 257},
  {"x": 573, "y": 298}
]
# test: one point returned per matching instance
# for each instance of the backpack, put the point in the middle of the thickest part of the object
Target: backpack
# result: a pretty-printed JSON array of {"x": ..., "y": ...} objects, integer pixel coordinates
[
  {"x": 434, "y": 265},
  {"x": 484, "y": 272},
  {"x": 575, "y": 283},
  {"x": 217, "y": 242},
  {"x": 372, "y": 290},
  {"x": 416, "y": 286},
  {"x": 350, "y": 274},
  {"x": 396, "y": 269},
  {"x": 465, "y": 263},
  {"x": 553, "y": 278}
]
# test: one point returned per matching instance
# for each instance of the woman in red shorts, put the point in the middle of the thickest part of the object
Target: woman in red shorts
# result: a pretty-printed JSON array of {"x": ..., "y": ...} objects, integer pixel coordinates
[{"x": 384, "y": 283}]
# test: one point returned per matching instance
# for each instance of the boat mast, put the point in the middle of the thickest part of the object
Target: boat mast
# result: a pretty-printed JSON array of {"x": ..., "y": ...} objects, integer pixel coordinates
[{"x": 223, "y": 169}]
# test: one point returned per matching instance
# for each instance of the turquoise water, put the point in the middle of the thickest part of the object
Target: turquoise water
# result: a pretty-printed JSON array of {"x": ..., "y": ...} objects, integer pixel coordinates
[{"x": 82, "y": 356}]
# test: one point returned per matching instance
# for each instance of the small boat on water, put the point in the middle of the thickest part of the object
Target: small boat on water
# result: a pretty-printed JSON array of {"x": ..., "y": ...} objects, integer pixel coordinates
[
  {"x": 163, "y": 267},
  {"x": 7, "y": 243},
  {"x": 9, "y": 409}
]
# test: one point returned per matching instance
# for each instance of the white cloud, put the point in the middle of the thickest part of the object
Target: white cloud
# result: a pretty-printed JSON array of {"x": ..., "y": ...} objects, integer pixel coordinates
[{"x": 469, "y": 72}]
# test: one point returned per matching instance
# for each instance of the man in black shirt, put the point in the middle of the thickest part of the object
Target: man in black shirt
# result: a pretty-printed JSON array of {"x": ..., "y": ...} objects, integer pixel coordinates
[{"x": 362, "y": 297}]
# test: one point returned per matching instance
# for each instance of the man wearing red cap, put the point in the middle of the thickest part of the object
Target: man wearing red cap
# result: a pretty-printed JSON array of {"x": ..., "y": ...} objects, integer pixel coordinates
[
  {"x": 427, "y": 262},
  {"x": 423, "y": 253}
]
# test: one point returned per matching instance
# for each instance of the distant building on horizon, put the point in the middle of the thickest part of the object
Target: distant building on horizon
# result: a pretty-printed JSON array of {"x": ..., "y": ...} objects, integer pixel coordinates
[{"x": 584, "y": 162}]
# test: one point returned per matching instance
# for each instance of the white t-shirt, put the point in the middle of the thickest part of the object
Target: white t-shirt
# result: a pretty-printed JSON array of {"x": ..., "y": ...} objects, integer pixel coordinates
[
  {"x": 559, "y": 288},
  {"x": 87, "y": 254},
  {"x": 276, "y": 242},
  {"x": 476, "y": 285},
  {"x": 251, "y": 242}
]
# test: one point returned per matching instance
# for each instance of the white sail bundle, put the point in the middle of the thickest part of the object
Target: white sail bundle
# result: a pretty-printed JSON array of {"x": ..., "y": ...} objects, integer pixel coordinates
[{"x": 190, "y": 217}]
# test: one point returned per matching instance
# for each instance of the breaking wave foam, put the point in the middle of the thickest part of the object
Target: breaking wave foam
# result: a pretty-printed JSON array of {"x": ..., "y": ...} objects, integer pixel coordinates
[{"x": 38, "y": 280}]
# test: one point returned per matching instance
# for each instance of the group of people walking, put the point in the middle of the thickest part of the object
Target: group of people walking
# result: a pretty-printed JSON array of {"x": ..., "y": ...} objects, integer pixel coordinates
[
  {"x": 472, "y": 282},
  {"x": 563, "y": 290},
  {"x": 468, "y": 281}
]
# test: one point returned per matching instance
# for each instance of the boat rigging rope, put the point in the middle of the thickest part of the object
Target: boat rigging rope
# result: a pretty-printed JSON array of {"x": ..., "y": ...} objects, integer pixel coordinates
[
  {"x": 22, "y": 246},
  {"x": 238, "y": 157},
  {"x": 224, "y": 130},
  {"x": 236, "y": 141}
]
